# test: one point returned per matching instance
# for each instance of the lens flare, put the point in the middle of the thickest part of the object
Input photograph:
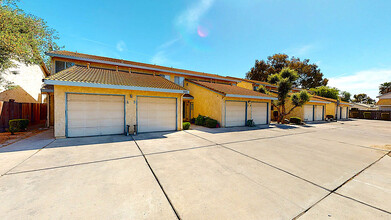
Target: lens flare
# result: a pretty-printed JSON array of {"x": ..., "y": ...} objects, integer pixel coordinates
[{"x": 202, "y": 31}]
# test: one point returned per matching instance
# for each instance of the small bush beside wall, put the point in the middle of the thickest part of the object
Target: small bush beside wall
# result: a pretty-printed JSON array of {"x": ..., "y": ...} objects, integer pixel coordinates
[
  {"x": 16, "y": 125},
  {"x": 210, "y": 123},
  {"x": 329, "y": 116},
  {"x": 295, "y": 120},
  {"x": 206, "y": 121},
  {"x": 186, "y": 125},
  {"x": 385, "y": 116},
  {"x": 367, "y": 115}
]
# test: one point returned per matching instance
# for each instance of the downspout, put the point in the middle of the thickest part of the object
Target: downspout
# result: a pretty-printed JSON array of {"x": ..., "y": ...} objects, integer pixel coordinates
[
  {"x": 181, "y": 112},
  {"x": 336, "y": 112}
]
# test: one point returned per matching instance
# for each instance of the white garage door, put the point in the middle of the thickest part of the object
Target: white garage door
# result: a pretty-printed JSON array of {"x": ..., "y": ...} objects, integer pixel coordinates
[
  {"x": 90, "y": 115},
  {"x": 235, "y": 113},
  {"x": 308, "y": 112},
  {"x": 259, "y": 113},
  {"x": 156, "y": 114},
  {"x": 344, "y": 112},
  {"x": 318, "y": 113}
]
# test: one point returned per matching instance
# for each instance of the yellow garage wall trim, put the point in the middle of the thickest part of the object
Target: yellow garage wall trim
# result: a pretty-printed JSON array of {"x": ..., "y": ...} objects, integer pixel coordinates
[
  {"x": 137, "y": 66},
  {"x": 107, "y": 86}
]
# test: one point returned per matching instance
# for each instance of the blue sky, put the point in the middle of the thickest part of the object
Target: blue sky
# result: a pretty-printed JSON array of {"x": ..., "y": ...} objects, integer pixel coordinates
[{"x": 349, "y": 40}]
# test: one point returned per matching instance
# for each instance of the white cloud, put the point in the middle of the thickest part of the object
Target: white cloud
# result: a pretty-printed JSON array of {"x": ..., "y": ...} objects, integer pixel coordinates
[
  {"x": 121, "y": 46},
  {"x": 161, "y": 58},
  {"x": 300, "y": 50},
  {"x": 168, "y": 43},
  {"x": 366, "y": 81},
  {"x": 190, "y": 18}
]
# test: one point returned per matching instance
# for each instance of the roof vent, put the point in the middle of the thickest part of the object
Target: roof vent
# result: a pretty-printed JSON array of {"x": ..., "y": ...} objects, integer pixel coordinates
[{"x": 88, "y": 65}]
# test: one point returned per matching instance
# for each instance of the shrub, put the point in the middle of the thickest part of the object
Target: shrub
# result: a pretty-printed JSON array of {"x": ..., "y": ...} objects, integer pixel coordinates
[
  {"x": 186, "y": 125},
  {"x": 200, "y": 120},
  {"x": 211, "y": 123},
  {"x": 250, "y": 123},
  {"x": 367, "y": 115},
  {"x": 385, "y": 116},
  {"x": 329, "y": 116},
  {"x": 295, "y": 120},
  {"x": 192, "y": 120},
  {"x": 16, "y": 125}
]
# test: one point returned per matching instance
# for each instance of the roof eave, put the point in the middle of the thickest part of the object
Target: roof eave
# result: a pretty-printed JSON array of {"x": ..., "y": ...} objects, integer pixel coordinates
[
  {"x": 249, "y": 97},
  {"x": 314, "y": 101},
  {"x": 109, "y": 86},
  {"x": 136, "y": 66}
]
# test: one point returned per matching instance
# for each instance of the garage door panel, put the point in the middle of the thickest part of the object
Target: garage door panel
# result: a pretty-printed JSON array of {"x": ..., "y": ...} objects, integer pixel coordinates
[
  {"x": 156, "y": 114},
  {"x": 235, "y": 113},
  {"x": 318, "y": 113},
  {"x": 308, "y": 112},
  {"x": 90, "y": 115},
  {"x": 259, "y": 113}
]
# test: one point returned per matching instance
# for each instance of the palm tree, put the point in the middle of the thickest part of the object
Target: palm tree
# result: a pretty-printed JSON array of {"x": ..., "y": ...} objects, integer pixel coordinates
[{"x": 385, "y": 88}]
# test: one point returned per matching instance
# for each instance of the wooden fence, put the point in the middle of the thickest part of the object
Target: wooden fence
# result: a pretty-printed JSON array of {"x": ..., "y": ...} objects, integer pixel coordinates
[
  {"x": 370, "y": 114},
  {"x": 35, "y": 112}
]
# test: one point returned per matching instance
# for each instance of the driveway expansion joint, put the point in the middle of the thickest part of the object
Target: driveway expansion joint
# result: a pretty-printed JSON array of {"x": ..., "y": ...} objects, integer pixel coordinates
[
  {"x": 27, "y": 158},
  {"x": 157, "y": 180},
  {"x": 344, "y": 183}
]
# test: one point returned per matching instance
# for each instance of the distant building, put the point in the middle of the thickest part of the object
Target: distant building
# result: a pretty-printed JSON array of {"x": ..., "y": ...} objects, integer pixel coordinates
[
  {"x": 28, "y": 78},
  {"x": 362, "y": 106},
  {"x": 17, "y": 94},
  {"x": 384, "y": 102}
]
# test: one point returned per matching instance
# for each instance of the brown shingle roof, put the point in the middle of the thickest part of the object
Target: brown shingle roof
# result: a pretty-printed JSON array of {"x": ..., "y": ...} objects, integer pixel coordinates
[
  {"x": 112, "y": 77},
  {"x": 230, "y": 90},
  {"x": 18, "y": 94},
  {"x": 76, "y": 55}
]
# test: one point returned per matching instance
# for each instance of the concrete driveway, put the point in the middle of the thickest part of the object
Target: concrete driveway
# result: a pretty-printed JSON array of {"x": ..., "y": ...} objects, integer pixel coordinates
[{"x": 339, "y": 170}]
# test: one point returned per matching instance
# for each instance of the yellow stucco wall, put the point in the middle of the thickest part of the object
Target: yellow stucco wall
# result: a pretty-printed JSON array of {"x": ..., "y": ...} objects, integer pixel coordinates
[
  {"x": 384, "y": 102},
  {"x": 212, "y": 104},
  {"x": 59, "y": 104},
  {"x": 245, "y": 85},
  {"x": 206, "y": 102}
]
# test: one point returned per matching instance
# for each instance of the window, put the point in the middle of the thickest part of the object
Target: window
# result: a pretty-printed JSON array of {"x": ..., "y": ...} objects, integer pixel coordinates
[
  {"x": 179, "y": 80},
  {"x": 166, "y": 76},
  {"x": 61, "y": 65}
]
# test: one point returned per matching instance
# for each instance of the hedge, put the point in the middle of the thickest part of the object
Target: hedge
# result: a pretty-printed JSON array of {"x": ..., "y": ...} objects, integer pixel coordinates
[
  {"x": 385, "y": 116},
  {"x": 186, "y": 125},
  {"x": 295, "y": 120},
  {"x": 367, "y": 115},
  {"x": 16, "y": 125},
  {"x": 210, "y": 123}
]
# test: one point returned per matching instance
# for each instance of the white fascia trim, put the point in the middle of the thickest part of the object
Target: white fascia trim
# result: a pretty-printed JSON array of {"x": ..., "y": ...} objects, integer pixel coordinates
[
  {"x": 249, "y": 97},
  {"x": 107, "y": 86},
  {"x": 320, "y": 102},
  {"x": 136, "y": 66}
]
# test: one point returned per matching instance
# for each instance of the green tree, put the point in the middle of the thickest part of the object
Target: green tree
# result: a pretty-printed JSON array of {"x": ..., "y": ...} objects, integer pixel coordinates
[
  {"x": 326, "y": 91},
  {"x": 345, "y": 96},
  {"x": 23, "y": 37},
  {"x": 363, "y": 98},
  {"x": 284, "y": 81},
  {"x": 385, "y": 88},
  {"x": 309, "y": 75}
]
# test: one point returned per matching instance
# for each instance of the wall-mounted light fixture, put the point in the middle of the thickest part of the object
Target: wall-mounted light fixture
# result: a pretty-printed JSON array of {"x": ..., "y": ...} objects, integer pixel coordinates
[{"x": 130, "y": 96}]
